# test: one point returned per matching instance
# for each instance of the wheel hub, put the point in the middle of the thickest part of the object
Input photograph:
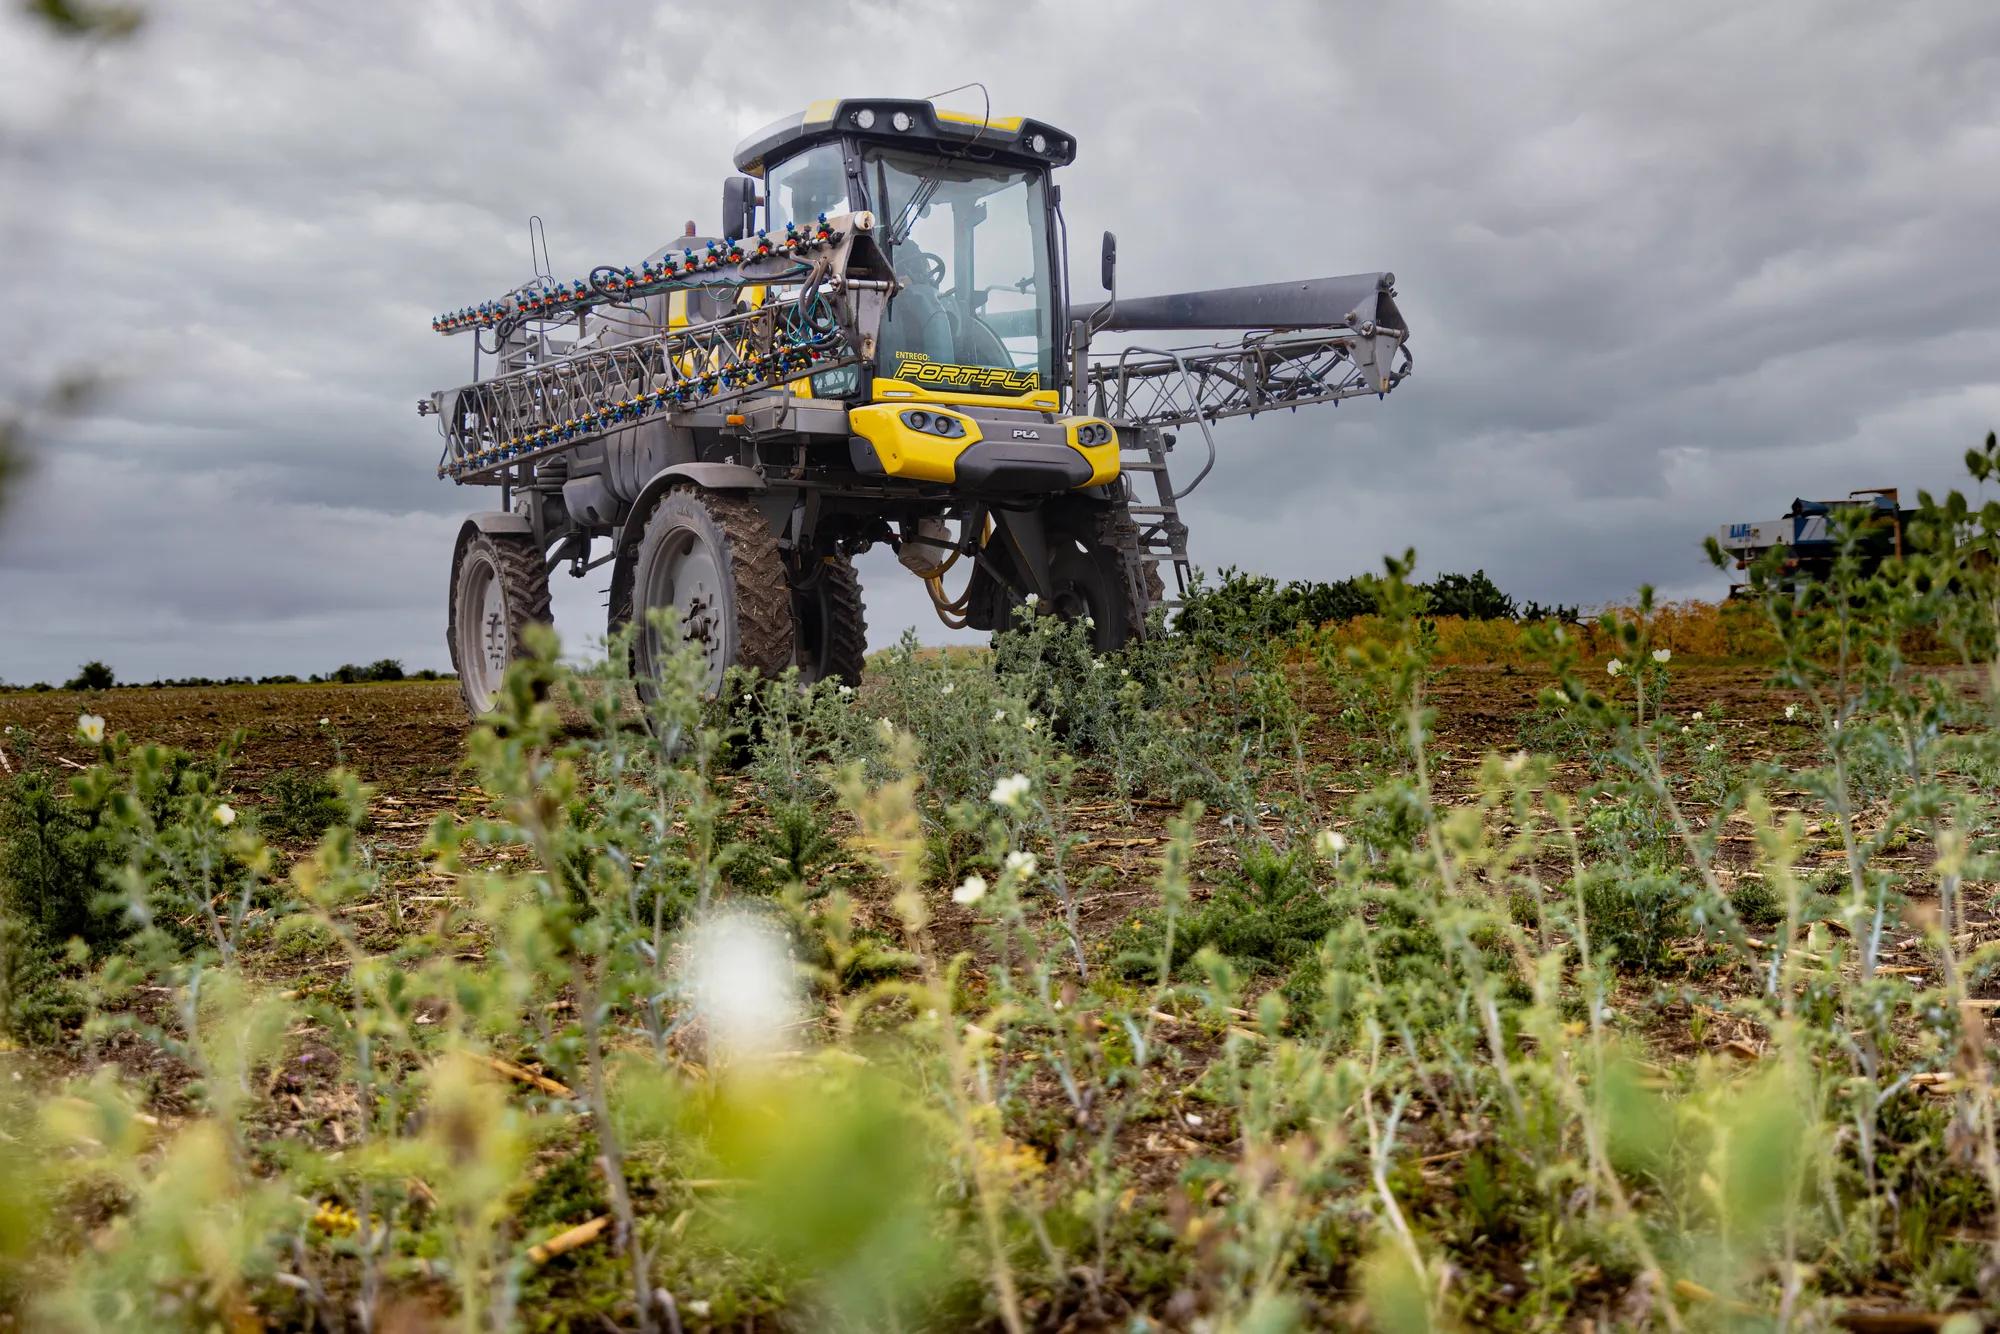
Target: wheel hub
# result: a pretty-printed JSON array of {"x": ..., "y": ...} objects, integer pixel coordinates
[
  {"x": 493, "y": 628},
  {"x": 688, "y": 580}
]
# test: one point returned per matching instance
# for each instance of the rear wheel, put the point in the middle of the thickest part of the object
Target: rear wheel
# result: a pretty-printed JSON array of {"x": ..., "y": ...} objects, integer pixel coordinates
[
  {"x": 832, "y": 625},
  {"x": 711, "y": 557},
  {"x": 499, "y": 587}
]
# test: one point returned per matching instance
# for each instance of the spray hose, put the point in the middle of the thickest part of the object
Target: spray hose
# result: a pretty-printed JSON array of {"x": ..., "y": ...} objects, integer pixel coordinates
[{"x": 952, "y": 611}]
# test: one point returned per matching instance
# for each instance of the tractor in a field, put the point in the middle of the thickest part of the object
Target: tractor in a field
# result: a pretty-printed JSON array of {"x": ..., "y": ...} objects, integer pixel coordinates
[
  {"x": 1810, "y": 536},
  {"x": 881, "y": 344}
]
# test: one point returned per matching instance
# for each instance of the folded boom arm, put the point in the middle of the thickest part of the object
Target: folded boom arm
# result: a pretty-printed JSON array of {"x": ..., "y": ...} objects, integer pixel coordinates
[{"x": 1312, "y": 341}]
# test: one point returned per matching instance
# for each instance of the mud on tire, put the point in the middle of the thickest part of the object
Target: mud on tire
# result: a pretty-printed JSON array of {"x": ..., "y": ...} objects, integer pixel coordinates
[{"x": 712, "y": 557}]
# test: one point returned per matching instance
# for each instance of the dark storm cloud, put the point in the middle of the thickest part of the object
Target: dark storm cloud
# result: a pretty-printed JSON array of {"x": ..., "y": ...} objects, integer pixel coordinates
[{"x": 1666, "y": 266}]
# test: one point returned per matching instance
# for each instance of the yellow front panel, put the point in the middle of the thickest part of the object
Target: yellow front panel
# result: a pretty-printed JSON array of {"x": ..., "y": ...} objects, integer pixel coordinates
[
  {"x": 917, "y": 455},
  {"x": 1103, "y": 460}
]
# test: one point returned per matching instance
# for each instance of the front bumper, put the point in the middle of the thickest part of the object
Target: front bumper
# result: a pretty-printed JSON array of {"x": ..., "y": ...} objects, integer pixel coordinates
[{"x": 993, "y": 452}]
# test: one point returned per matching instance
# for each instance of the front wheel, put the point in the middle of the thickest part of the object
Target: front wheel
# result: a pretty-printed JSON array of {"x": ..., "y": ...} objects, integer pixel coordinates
[
  {"x": 1089, "y": 583},
  {"x": 711, "y": 557},
  {"x": 499, "y": 587}
]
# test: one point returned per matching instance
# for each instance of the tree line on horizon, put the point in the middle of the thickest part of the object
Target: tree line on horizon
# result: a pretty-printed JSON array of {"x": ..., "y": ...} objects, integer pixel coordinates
[{"x": 95, "y": 675}]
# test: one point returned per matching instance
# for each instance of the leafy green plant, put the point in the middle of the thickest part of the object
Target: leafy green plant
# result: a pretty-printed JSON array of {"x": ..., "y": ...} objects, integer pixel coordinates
[
  {"x": 302, "y": 803},
  {"x": 898, "y": 1007}
]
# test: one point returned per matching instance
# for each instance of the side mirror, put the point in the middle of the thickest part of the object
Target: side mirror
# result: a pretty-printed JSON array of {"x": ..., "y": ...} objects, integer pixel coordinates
[
  {"x": 739, "y": 206},
  {"x": 1109, "y": 262}
]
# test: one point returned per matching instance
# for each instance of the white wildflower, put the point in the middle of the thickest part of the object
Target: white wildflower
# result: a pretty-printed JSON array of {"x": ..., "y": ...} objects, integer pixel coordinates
[
  {"x": 1021, "y": 864},
  {"x": 1685, "y": 729},
  {"x": 886, "y": 728},
  {"x": 1030, "y": 723},
  {"x": 846, "y": 690},
  {"x": 1034, "y": 598},
  {"x": 1697, "y": 715},
  {"x": 972, "y": 891},
  {"x": 326, "y": 722},
  {"x": 1791, "y": 711},
  {"x": 1709, "y": 746},
  {"x": 225, "y": 814},
  {"x": 90, "y": 727},
  {"x": 999, "y": 715},
  {"x": 947, "y": 687},
  {"x": 1089, "y": 622},
  {"x": 1329, "y": 843},
  {"x": 1613, "y": 667},
  {"x": 741, "y": 983},
  {"x": 1010, "y": 791},
  {"x": 1662, "y": 654},
  {"x": 1124, "y": 671}
]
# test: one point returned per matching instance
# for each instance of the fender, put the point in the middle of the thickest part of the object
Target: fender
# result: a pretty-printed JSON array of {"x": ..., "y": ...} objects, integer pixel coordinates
[
  {"x": 707, "y": 476},
  {"x": 496, "y": 522}
]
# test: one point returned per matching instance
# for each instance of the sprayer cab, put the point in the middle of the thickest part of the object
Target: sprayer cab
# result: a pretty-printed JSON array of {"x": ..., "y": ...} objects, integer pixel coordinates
[{"x": 967, "y": 216}]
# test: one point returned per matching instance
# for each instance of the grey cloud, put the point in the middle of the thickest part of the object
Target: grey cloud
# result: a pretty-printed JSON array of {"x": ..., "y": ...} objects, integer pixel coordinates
[{"x": 1666, "y": 266}]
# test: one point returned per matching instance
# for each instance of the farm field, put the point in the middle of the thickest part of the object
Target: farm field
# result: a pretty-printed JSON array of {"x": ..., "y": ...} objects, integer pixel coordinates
[{"x": 1242, "y": 980}]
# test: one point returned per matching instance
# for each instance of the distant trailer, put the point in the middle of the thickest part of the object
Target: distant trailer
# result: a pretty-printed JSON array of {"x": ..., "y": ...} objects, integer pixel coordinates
[{"x": 1807, "y": 534}]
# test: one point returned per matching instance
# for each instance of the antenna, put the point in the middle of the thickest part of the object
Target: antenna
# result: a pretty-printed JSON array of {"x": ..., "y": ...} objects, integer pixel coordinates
[{"x": 539, "y": 235}]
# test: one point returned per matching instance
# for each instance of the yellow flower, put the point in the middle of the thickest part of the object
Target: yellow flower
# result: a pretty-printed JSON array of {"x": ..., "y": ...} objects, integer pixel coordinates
[{"x": 336, "y": 1219}]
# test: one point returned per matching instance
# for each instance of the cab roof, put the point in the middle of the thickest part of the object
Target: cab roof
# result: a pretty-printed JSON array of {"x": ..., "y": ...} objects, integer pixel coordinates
[{"x": 876, "y": 118}]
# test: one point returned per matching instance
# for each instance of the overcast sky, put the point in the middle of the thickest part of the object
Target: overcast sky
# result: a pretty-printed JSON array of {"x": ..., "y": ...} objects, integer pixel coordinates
[{"x": 1665, "y": 266}]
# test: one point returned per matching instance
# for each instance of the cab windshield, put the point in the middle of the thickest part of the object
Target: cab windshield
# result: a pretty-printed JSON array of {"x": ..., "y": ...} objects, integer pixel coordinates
[{"x": 969, "y": 241}]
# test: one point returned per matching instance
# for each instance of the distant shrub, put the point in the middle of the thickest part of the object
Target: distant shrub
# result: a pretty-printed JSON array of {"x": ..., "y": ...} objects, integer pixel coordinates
[
  {"x": 92, "y": 675},
  {"x": 383, "y": 669},
  {"x": 1473, "y": 596},
  {"x": 1259, "y": 606}
]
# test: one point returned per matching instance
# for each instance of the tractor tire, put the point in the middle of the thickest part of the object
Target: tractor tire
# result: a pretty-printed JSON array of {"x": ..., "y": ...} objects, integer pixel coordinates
[
  {"x": 1089, "y": 581},
  {"x": 499, "y": 587},
  {"x": 832, "y": 624},
  {"x": 711, "y": 557}
]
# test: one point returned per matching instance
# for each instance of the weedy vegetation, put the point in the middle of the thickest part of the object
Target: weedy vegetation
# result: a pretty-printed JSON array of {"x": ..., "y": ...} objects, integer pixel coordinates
[{"x": 1198, "y": 987}]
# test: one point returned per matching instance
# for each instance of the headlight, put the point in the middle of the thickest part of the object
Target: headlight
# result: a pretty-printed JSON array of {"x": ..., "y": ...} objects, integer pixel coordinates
[
  {"x": 1093, "y": 433},
  {"x": 940, "y": 424},
  {"x": 902, "y": 121},
  {"x": 1039, "y": 143},
  {"x": 865, "y": 118}
]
